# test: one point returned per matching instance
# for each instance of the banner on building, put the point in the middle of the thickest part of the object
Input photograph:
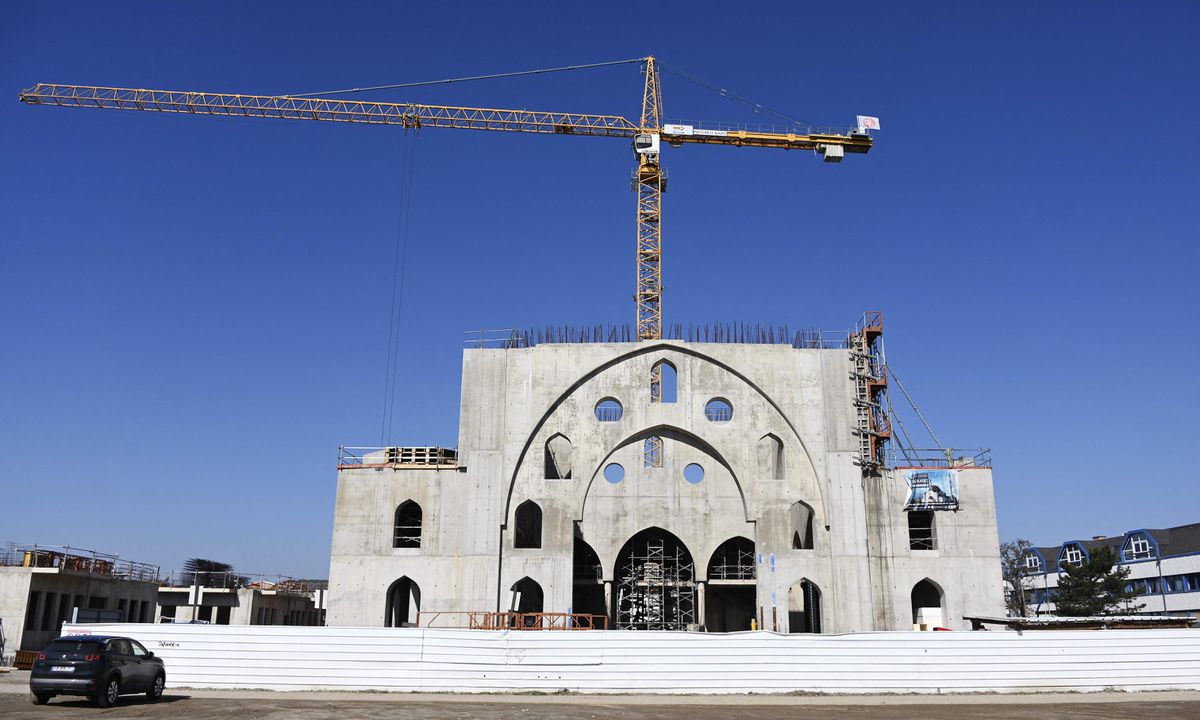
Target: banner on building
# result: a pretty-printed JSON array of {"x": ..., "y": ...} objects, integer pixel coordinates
[{"x": 931, "y": 489}]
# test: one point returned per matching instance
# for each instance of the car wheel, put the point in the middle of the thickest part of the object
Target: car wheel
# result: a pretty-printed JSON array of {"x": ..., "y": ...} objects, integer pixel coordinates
[
  {"x": 155, "y": 691},
  {"x": 39, "y": 698},
  {"x": 107, "y": 697}
]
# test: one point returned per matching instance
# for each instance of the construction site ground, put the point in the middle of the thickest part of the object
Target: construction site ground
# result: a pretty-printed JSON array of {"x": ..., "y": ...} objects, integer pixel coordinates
[{"x": 214, "y": 704}]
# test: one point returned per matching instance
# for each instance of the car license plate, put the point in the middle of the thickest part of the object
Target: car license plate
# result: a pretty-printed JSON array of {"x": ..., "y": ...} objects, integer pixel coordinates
[{"x": 62, "y": 668}]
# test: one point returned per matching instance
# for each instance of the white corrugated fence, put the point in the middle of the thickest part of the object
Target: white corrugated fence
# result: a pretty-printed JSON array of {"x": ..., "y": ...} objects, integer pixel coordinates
[{"x": 433, "y": 660}]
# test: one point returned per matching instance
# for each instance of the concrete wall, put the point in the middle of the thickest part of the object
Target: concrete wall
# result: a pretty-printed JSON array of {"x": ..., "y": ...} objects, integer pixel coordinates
[{"x": 515, "y": 401}]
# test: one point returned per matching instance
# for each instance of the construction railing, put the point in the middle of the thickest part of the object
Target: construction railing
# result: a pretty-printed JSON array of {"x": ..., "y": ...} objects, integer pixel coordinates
[
  {"x": 942, "y": 458},
  {"x": 482, "y": 620},
  {"x": 77, "y": 560},
  {"x": 428, "y": 457}
]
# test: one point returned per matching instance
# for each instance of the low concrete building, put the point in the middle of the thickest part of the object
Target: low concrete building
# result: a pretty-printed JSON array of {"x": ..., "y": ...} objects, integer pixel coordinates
[
  {"x": 1163, "y": 563},
  {"x": 41, "y": 587},
  {"x": 669, "y": 485},
  {"x": 279, "y": 602}
]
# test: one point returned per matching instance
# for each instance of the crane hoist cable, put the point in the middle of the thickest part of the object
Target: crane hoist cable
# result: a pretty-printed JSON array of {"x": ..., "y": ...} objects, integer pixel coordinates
[
  {"x": 756, "y": 107},
  {"x": 468, "y": 78},
  {"x": 399, "y": 273}
]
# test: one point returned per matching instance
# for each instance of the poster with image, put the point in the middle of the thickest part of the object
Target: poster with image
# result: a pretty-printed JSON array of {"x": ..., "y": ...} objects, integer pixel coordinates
[{"x": 931, "y": 489}]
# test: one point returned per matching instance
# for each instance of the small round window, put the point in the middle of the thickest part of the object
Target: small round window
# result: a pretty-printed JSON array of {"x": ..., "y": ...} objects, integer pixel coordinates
[
  {"x": 608, "y": 410},
  {"x": 718, "y": 410},
  {"x": 614, "y": 473},
  {"x": 693, "y": 473}
]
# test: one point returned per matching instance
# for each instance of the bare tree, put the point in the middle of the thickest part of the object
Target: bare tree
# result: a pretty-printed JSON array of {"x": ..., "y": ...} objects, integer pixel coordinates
[{"x": 1016, "y": 583}]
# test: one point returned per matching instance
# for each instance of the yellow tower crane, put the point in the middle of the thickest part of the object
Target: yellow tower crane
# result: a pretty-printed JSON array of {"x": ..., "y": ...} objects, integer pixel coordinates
[{"x": 649, "y": 181}]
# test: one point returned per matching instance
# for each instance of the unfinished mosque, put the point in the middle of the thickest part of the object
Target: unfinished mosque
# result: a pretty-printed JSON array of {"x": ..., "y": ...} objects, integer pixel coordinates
[{"x": 668, "y": 485}]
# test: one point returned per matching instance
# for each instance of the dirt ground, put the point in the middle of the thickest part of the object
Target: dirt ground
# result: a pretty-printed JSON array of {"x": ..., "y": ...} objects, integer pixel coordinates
[{"x": 261, "y": 705}]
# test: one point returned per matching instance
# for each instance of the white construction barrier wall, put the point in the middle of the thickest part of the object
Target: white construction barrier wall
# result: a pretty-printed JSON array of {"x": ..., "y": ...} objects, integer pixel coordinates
[{"x": 431, "y": 660}]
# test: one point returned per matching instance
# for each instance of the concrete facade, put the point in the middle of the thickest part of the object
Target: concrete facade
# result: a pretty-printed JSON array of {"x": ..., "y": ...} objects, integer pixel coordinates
[{"x": 529, "y": 413}]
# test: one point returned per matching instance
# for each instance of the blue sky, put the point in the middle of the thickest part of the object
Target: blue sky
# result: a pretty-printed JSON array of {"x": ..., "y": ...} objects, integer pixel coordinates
[{"x": 195, "y": 310}]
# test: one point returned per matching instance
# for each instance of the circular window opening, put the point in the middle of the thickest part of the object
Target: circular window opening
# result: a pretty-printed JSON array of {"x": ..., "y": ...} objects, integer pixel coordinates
[
  {"x": 614, "y": 473},
  {"x": 718, "y": 410},
  {"x": 693, "y": 473},
  {"x": 608, "y": 410}
]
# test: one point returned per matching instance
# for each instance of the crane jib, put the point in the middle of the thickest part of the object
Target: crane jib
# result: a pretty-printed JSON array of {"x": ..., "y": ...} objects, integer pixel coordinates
[{"x": 649, "y": 179}]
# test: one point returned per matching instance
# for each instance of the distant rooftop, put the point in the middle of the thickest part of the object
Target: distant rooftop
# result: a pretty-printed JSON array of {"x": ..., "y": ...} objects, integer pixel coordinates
[{"x": 77, "y": 560}]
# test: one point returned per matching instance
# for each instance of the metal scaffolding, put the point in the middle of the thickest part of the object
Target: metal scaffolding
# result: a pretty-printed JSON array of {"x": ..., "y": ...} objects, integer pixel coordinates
[{"x": 657, "y": 589}]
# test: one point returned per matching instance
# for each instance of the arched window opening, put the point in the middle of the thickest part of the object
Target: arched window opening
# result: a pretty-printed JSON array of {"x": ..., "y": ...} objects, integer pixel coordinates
[
  {"x": 587, "y": 596},
  {"x": 558, "y": 458},
  {"x": 770, "y": 457},
  {"x": 406, "y": 532},
  {"x": 804, "y": 607},
  {"x": 922, "y": 533},
  {"x": 802, "y": 526},
  {"x": 403, "y": 604},
  {"x": 926, "y": 605},
  {"x": 529, "y": 525},
  {"x": 664, "y": 382},
  {"x": 655, "y": 583},
  {"x": 733, "y": 560},
  {"x": 653, "y": 453},
  {"x": 528, "y": 601}
]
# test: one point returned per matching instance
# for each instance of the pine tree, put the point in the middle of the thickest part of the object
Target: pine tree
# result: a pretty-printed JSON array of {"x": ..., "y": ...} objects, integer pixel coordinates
[{"x": 1094, "y": 587}]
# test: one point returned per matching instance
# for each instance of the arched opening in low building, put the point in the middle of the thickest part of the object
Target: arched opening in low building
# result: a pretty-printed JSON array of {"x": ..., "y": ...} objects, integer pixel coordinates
[
  {"x": 558, "y": 457},
  {"x": 802, "y": 526},
  {"x": 663, "y": 382},
  {"x": 927, "y": 601},
  {"x": 528, "y": 525},
  {"x": 804, "y": 607},
  {"x": 406, "y": 531},
  {"x": 587, "y": 592},
  {"x": 403, "y": 603},
  {"x": 729, "y": 593},
  {"x": 654, "y": 584},
  {"x": 770, "y": 457}
]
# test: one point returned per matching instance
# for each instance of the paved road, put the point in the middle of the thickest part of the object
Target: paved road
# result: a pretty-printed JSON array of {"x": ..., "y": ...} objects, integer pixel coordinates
[
  {"x": 261, "y": 705},
  {"x": 278, "y": 706}
]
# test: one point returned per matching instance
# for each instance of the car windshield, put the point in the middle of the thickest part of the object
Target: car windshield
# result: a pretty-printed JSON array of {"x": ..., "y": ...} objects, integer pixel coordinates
[{"x": 71, "y": 650}]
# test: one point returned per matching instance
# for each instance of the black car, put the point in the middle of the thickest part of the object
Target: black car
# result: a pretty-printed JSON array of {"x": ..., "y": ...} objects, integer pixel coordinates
[{"x": 102, "y": 667}]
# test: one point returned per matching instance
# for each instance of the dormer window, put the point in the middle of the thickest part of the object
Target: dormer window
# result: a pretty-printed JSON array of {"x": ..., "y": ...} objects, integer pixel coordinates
[
  {"x": 1033, "y": 562},
  {"x": 1073, "y": 555},
  {"x": 1138, "y": 549}
]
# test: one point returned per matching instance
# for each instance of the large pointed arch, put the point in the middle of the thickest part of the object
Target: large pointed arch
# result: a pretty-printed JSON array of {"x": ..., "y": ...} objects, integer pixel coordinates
[
  {"x": 671, "y": 432},
  {"x": 640, "y": 350},
  {"x": 654, "y": 583}
]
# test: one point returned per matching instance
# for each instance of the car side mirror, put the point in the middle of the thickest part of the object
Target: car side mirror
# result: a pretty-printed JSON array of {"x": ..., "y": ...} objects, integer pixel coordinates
[{"x": 149, "y": 653}]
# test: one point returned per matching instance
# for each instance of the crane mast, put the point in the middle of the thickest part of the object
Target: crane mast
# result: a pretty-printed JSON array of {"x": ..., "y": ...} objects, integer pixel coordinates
[{"x": 649, "y": 180}]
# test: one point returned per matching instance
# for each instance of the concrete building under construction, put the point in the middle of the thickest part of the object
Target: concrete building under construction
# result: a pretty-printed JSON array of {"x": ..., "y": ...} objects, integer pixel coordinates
[{"x": 711, "y": 483}]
